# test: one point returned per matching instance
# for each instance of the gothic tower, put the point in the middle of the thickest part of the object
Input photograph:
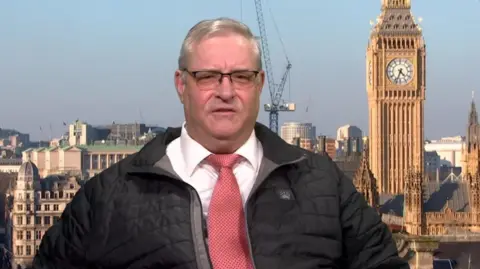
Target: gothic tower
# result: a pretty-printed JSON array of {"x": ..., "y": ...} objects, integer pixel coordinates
[
  {"x": 365, "y": 181},
  {"x": 471, "y": 151},
  {"x": 413, "y": 213},
  {"x": 396, "y": 95}
]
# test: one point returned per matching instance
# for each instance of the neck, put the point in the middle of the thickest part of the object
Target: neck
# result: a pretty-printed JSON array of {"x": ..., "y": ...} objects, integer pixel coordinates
[{"x": 216, "y": 145}]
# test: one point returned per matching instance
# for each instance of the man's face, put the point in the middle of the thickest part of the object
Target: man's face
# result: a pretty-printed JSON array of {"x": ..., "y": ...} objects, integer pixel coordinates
[{"x": 213, "y": 105}]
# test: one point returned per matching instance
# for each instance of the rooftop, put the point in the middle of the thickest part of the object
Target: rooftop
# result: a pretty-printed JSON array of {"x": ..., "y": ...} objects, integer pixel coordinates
[
  {"x": 10, "y": 161},
  {"x": 438, "y": 196},
  {"x": 113, "y": 148}
]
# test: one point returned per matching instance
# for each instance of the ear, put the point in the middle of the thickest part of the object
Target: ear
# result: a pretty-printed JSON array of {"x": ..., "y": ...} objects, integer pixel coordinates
[
  {"x": 179, "y": 84},
  {"x": 261, "y": 80}
]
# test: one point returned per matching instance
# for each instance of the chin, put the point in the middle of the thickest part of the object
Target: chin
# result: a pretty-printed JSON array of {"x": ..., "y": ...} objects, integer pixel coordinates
[{"x": 224, "y": 129}]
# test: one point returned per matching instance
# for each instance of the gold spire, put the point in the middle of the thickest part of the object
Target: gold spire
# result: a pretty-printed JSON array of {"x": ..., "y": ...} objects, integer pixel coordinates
[{"x": 396, "y": 4}]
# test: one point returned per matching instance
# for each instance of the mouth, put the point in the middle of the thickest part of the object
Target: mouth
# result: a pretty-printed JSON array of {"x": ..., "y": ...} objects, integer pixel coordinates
[{"x": 224, "y": 111}]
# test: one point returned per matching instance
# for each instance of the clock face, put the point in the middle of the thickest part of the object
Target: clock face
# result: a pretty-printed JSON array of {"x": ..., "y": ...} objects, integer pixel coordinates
[{"x": 400, "y": 71}]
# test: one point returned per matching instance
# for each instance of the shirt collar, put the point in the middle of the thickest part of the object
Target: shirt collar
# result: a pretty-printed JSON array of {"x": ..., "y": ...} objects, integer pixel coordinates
[{"x": 194, "y": 153}]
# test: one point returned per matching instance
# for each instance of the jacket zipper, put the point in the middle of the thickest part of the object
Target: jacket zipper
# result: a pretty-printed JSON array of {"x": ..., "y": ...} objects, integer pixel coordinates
[
  {"x": 191, "y": 190},
  {"x": 202, "y": 226}
]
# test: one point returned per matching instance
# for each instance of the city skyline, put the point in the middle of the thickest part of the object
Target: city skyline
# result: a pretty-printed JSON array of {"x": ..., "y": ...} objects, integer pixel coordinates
[{"x": 63, "y": 59}]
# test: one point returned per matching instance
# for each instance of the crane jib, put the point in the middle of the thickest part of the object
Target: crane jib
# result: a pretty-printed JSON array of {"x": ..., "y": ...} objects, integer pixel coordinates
[{"x": 276, "y": 93}]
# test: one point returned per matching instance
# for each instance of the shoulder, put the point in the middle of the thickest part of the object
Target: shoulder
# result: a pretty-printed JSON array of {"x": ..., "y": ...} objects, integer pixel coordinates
[
  {"x": 319, "y": 169},
  {"x": 319, "y": 161},
  {"x": 100, "y": 185}
]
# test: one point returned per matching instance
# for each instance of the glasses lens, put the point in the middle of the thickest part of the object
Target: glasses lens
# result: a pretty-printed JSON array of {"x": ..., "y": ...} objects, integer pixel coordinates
[
  {"x": 243, "y": 78},
  {"x": 208, "y": 79}
]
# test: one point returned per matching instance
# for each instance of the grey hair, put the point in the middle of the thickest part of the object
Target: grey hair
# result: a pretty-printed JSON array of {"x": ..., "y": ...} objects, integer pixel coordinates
[{"x": 207, "y": 28}]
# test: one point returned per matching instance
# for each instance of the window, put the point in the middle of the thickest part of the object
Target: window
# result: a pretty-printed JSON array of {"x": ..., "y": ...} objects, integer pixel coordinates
[
  {"x": 19, "y": 207},
  {"x": 28, "y": 219},
  {"x": 29, "y": 235},
  {"x": 46, "y": 220},
  {"x": 29, "y": 250},
  {"x": 38, "y": 220},
  {"x": 103, "y": 161},
  {"x": 111, "y": 159},
  {"x": 55, "y": 207},
  {"x": 28, "y": 196},
  {"x": 19, "y": 220},
  {"x": 38, "y": 207},
  {"x": 38, "y": 235},
  {"x": 19, "y": 235},
  {"x": 20, "y": 250},
  {"x": 29, "y": 207},
  {"x": 95, "y": 162},
  {"x": 47, "y": 207}
]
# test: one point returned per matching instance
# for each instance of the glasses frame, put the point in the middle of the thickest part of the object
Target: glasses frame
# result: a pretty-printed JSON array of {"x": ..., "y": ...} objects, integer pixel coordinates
[{"x": 222, "y": 75}]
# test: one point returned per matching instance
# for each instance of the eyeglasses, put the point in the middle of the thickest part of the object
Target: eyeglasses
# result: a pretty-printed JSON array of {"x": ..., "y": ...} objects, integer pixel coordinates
[{"x": 212, "y": 79}]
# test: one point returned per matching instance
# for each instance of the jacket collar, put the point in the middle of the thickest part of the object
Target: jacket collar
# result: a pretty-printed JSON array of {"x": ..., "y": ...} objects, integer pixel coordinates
[{"x": 275, "y": 148}]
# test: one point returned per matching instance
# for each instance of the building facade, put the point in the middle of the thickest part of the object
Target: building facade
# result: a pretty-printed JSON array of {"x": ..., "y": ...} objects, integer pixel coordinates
[
  {"x": 292, "y": 130},
  {"x": 83, "y": 160},
  {"x": 447, "y": 209},
  {"x": 438, "y": 209},
  {"x": 326, "y": 145},
  {"x": 10, "y": 165},
  {"x": 395, "y": 60},
  {"x": 345, "y": 134},
  {"x": 34, "y": 204},
  {"x": 449, "y": 150}
]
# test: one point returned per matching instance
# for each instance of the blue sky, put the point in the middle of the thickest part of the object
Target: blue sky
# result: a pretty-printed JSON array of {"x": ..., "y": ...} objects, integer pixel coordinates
[{"x": 104, "y": 61}]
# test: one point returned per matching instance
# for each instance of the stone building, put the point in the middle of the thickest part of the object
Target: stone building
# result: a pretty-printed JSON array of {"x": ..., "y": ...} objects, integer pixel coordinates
[
  {"x": 471, "y": 149},
  {"x": 396, "y": 70},
  {"x": 33, "y": 205},
  {"x": 426, "y": 207}
]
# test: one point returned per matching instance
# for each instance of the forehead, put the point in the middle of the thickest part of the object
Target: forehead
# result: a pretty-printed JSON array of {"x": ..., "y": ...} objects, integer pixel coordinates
[{"x": 223, "y": 52}]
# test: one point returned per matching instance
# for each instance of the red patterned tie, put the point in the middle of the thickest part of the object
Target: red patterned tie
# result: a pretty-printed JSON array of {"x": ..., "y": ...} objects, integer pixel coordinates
[{"x": 227, "y": 240}]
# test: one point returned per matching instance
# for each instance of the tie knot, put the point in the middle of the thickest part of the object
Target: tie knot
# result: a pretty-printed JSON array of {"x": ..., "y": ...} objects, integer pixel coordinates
[{"x": 223, "y": 160}]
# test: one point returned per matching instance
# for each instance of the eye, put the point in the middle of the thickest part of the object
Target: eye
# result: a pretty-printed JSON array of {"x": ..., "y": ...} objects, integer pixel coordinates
[{"x": 205, "y": 75}]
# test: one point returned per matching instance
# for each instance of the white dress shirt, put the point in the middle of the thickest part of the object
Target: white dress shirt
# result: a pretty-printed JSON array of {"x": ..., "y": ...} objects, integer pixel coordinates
[{"x": 188, "y": 161}]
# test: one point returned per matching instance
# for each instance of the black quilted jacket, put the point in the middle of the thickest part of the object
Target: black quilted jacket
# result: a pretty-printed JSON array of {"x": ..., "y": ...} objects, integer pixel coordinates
[{"x": 303, "y": 213}]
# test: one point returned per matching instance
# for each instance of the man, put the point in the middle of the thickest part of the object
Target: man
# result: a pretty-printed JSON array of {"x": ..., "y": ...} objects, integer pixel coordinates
[{"x": 222, "y": 191}]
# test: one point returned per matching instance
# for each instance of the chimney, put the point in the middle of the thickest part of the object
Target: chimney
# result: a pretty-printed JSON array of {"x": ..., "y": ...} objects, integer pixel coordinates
[{"x": 322, "y": 144}]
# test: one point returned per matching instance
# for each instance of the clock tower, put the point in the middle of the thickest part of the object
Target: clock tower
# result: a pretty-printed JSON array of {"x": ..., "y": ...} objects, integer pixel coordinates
[{"x": 396, "y": 96}]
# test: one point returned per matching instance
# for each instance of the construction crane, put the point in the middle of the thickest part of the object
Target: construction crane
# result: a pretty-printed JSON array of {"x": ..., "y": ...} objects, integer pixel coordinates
[{"x": 276, "y": 91}]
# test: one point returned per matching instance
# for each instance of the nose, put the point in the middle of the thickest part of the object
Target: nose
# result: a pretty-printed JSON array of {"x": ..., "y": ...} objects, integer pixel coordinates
[{"x": 225, "y": 90}]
